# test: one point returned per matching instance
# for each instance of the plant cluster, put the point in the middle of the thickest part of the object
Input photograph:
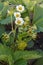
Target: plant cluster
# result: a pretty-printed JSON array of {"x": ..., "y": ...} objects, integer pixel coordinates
[{"x": 20, "y": 21}]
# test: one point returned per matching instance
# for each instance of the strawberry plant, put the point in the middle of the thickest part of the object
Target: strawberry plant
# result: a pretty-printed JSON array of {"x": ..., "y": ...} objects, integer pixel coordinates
[{"x": 20, "y": 21}]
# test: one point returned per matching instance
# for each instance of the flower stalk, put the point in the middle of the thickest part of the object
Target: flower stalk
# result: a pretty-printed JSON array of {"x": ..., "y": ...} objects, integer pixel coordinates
[{"x": 11, "y": 23}]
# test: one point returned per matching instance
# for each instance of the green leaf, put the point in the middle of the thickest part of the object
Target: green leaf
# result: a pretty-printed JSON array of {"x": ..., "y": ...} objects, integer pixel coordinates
[
  {"x": 6, "y": 54},
  {"x": 27, "y": 55},
  {"x": 21, "y": 62},
  {"x": 1, "y": 6},
  {"x": 15, "y": 2},
  {"x": 26, "y": 1},
  {"x": 7, "y": 20},
  {"x": 29, "y": 4},
  {"x": 3, "y": 10},
  {"x": 38, "y": 16},
  {"x": 38, "y": 13},
  {"x": 38, "y": 1},
  {"x": 40, "y": 29}
]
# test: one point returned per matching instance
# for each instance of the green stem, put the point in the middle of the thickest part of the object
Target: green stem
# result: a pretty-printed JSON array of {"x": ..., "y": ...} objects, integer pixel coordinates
[
  {"x": 11, "y": 23},
  {"x": 10, "y": 33}
]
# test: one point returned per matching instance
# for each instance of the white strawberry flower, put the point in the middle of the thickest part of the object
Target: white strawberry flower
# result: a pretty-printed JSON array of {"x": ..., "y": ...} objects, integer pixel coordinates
[
  {"x": 17, "y": 14},
  {"x": 19, "y": 21},
  {"x": 20, "y": 8}
]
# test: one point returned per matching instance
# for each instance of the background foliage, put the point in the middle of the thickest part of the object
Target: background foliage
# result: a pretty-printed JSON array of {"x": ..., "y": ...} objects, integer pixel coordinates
[{"x": 12, "y": 43}]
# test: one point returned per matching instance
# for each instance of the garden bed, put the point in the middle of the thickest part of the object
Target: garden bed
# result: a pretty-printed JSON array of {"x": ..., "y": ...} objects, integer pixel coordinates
[{"x": 21, "y": 32}]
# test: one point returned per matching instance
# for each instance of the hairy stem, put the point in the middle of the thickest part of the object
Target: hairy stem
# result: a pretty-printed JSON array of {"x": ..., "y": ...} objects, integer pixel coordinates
[{"x": 11, "y": 23}]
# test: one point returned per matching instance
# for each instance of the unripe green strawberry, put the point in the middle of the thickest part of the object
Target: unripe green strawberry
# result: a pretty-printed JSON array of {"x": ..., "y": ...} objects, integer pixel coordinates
[
  {"x": 22, "y": 45},
  {"x": 5, "y": 38}
]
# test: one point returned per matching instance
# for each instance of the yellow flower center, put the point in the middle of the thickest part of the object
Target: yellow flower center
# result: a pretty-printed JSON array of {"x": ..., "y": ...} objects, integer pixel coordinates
[
  {"x": 18, "y": 21},
  {"x": 17, "y": 15},
  {"x": 20, "y": 8}
]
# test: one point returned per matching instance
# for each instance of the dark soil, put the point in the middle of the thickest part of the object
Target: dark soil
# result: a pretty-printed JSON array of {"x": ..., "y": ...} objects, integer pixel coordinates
[
  {"x": 39, "y": 41},
  {"x": 38, "y": 46}
]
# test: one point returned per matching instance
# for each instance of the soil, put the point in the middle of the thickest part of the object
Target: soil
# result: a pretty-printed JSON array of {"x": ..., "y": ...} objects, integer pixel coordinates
[
  {"x": 38, "y": 46},
  {"x": 39, "y": 41}
]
